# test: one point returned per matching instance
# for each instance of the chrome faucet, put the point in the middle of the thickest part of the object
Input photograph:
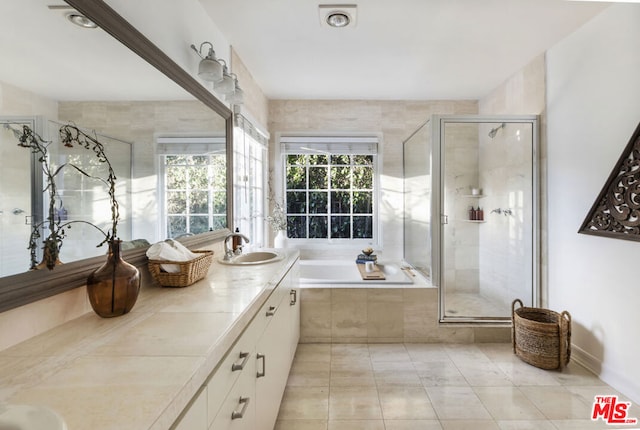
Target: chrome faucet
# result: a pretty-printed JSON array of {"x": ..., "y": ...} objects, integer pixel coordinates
[{"x": 228, "y": 252}]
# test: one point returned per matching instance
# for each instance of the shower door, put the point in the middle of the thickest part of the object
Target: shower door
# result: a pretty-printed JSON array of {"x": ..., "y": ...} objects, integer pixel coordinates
[
  {"x": 487, "y": 241},
  {"x": 417, "y": 195},
  {"x": 19, "y": 207}
]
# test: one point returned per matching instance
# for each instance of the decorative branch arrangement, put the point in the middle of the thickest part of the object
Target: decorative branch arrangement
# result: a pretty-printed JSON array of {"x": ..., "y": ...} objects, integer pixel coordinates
[
  {"x": 616, "y": 211},
  {"x": 70, "y": 135},
  {"x": 277, "y": 220}
]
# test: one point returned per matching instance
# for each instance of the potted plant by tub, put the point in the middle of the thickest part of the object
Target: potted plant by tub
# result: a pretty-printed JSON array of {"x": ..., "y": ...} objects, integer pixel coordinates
[
  {"x": 278, "y": 222},
  {"x": 278, "y": 218},
  {"x": 113, "y": 288}
]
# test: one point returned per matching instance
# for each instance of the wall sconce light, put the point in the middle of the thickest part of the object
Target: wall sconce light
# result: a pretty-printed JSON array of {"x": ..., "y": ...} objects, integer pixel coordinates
[
  {"x": 225, "y": 86},
  {"x": 209, "y": 68},
  {"x": 215, "y": 70},
  {"x": 237, "y": 96}
]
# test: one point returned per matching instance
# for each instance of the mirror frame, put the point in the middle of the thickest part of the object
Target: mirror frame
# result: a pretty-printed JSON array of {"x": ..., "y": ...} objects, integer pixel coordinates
[{"x": 28, "y": 287}]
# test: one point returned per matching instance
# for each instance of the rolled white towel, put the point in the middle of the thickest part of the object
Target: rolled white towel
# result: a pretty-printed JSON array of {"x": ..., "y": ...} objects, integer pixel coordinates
[
  {"x": 170, "y": 250},
  {"x": 182, "y": 249}
]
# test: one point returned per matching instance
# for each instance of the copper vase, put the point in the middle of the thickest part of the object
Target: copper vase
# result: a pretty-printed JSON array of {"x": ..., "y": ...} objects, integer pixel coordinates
[{"x": 113, "y": 288}]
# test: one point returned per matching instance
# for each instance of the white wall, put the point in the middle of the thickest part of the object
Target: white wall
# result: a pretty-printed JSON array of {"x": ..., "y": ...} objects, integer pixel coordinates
[
  {"x": 593, "y": 105},
  {"x": 173, "y": 26}
]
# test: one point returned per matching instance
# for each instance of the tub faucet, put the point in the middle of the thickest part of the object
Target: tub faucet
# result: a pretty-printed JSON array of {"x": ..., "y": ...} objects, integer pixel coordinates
[{"x": 228, "y": 252}]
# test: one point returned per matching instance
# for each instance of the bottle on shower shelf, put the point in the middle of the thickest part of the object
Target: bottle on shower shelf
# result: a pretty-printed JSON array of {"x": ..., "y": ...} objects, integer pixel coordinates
[
  {"x": 472, "y": 214},
  {"x": 480, "y": 216}
]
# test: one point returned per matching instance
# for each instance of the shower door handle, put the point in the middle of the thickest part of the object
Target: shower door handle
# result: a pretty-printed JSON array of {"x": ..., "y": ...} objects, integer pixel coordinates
[{"x": 444, "y": 219}]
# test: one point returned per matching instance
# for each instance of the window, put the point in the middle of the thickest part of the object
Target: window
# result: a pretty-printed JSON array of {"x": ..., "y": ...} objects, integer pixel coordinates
[
  {"x": 330, "y": 190},
  {"x": 193, "y": 174},
  {"x": 250, "y": 167}
]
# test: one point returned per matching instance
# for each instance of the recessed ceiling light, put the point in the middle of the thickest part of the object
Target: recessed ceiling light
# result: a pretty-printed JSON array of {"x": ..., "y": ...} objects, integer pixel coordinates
[
  {"x": 337, "y": 15},
  {"x": 338, "y": 19},
  {"x": 80, "y": 20}
]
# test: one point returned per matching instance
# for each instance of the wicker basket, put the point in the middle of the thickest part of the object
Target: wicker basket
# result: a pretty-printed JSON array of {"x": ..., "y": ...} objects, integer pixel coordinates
[
  {"x": 190, "y": 271},
  {"x": 541, "y": 337}
]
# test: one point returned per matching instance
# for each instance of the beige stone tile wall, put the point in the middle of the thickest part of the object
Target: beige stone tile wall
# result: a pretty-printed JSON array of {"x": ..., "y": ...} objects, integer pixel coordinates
[
  {"x": 395, "y": 120},
  {"x": 255, "y": 102},
  {"x": 140, "y": 122},
  {"x": 15, "y": 101},
  {"x": 382, "y": 315},
  {"x": 24, "y": 322},
  {"x": 460, "y": 237}
]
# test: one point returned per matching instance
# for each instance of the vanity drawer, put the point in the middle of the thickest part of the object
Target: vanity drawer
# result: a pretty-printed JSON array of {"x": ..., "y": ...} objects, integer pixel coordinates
[
  {"x": 239, "y": 360},
  {"x": 270, "y": 308},
  {"x": 237, "y": 412}
]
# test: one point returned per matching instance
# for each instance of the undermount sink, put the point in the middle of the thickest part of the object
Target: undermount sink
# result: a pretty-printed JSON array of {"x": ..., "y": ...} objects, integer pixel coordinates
[
  {"x": 29, "y": 417},
  {"x": 252, "y": 258}
]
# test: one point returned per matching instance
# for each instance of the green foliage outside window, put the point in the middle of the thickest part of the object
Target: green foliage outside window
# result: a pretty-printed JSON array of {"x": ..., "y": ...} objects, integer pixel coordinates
[
  {"x": 329, "y": 196},
  {"x": 195, "y": 189}
]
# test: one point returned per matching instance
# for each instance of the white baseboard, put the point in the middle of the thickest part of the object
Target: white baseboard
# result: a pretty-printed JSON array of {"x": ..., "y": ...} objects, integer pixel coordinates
[{"x": 612, "y": 377}]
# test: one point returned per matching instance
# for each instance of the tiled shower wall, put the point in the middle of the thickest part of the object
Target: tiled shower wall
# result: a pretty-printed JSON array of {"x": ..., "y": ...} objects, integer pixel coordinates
[
  {"x": 506, "y": 239},
  {"x": 460, "y": 237},
  {"x": 522, "y": 94}
]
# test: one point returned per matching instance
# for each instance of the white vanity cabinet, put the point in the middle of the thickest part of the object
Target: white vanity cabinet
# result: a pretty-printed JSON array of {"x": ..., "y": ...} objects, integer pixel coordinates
[
  {"x": 246, "y": 388},
  {"x": 294, "y": 308},
  {"x": 273, "y": 354}
]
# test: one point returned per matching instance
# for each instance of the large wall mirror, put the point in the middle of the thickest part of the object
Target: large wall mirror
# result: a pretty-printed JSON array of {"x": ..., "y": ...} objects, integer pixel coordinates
[{"x": 157, "y": 123}]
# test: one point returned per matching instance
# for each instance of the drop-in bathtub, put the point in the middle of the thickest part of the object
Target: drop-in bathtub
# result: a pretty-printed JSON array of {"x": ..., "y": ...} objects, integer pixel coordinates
[{"x": 338, "y": 272}]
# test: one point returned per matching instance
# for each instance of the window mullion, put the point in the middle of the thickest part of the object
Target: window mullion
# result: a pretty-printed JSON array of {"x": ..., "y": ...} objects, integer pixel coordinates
[
  {"x": 329, "y": 198},
  {"x": 306, "y": 198},
  {"x": 351, "y": 201},
  {"x": 209, "y": 190}
]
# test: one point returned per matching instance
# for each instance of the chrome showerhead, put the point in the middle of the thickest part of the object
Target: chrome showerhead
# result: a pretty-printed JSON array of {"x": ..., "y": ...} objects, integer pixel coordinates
[{"x": 494, "y": 131}]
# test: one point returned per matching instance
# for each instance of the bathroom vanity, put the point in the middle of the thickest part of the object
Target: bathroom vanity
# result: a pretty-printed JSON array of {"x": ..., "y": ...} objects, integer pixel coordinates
[{"x": 214, "y": 355}]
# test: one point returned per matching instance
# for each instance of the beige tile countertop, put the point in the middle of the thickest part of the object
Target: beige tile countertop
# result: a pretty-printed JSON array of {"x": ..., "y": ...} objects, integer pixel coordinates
[{"x": 140, "y": 370}]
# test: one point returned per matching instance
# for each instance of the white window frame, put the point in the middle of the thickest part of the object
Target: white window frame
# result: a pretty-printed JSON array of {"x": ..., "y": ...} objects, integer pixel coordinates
[
  {"x": 318, "y": 142},
  {"x": 250, "y": 179},
  {"x": 180, "y": 145}
]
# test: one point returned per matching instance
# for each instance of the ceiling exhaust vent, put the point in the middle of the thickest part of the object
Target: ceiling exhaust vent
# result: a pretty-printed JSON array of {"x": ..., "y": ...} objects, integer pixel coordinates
[{"x": 338, "y": 15}]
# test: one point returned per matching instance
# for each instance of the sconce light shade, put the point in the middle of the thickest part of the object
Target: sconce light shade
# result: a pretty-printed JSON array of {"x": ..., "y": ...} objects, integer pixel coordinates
[
  {"x": 237, "y": 96},
  {"x": 215, "y": 70},
  {"x": 226, "y": 85},
  {"x": 210, "y": 70}
]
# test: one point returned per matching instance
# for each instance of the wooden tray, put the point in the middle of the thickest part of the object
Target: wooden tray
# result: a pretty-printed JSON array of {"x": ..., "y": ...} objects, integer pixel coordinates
[{"x": 376, "y": 275}]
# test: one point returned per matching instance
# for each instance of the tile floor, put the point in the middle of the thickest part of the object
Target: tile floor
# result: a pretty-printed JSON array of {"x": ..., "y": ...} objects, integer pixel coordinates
[{"x": 434, "y": 386}]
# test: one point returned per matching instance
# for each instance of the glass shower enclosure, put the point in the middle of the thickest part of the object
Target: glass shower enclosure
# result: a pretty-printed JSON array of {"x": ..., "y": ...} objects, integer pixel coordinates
[{"x": 471, "y": 222}]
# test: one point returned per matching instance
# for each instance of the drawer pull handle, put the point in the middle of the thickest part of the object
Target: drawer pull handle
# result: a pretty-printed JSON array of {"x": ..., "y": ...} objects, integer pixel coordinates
[
  {"x": 294, "y": 297},
  {"x": 235, "y": 367},
  {"x": 272, "y": 311},
  {"x": 244, "y": 401},
  {"x": 264, "y": 365}
]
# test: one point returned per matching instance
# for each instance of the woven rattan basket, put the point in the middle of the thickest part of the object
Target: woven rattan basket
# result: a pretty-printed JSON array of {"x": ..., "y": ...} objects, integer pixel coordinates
[
  {"x": 190, "y": 271},
  {"x": 541, "y": 337}
]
